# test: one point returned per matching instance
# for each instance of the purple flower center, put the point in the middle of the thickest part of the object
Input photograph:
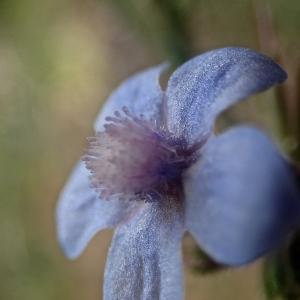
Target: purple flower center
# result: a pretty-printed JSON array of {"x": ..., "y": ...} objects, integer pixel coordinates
[{"x": 136, "y": 159}]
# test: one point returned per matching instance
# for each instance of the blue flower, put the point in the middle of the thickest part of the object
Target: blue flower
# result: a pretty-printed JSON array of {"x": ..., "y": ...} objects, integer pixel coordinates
[{"x": 155, "y": 169}]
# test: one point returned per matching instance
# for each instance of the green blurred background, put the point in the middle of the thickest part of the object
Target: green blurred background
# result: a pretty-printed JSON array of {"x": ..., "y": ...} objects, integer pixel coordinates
[{"x": 59, "y": 60}]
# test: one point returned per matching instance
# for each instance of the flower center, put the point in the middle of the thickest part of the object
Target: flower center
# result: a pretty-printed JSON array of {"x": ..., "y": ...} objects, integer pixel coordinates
[{"x": 136, "y": 159}]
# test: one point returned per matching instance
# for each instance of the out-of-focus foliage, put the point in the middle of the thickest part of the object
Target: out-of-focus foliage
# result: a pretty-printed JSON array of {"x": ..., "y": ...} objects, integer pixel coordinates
[{"x": 58, "y": 62}]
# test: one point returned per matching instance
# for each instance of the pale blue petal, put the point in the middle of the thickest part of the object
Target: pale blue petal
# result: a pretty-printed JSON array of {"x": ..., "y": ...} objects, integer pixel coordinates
[
  {"x": 141, "y": 93},
  {"x": 207, "y": 84},
  {"x": 81, "y": 214},
  {"x": 144, "y": 260},
  {"x": 241, "y": 197}
]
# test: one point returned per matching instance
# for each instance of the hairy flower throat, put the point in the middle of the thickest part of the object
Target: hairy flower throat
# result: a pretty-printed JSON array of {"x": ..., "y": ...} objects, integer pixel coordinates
[{"x": 136, "y": 159}]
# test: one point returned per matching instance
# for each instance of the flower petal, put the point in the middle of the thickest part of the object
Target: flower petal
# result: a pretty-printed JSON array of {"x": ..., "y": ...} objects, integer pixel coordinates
[
  {"x": 207, "y": 84},
  {"x": 241, "y": 197},
  {"x": 81, "y": 214},
  {"x": 141, "y": 93},
  {"x": 144, "y": 260}
]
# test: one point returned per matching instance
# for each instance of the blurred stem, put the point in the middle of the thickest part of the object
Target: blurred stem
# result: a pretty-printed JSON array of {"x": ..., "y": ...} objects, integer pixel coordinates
[
  {"x": 274, "y": 276},
  {"x": 269, "y": 44},
  {"x": 169, "y": 30},
  {"x": 287, "y": 100},
  {"x": 177, "y": 37},
  {"x": 281, "y": 271},
  {"x": 297, "y": 150}
]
